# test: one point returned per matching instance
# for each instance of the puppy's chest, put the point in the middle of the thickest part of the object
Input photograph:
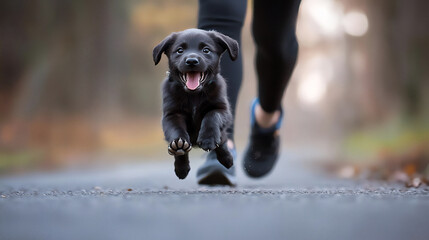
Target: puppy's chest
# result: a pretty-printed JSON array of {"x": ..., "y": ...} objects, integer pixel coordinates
[
  {"x": 194, "y": 111},
  {"x": 198, "y": 108},
  {"x": 198, "y": 111}
]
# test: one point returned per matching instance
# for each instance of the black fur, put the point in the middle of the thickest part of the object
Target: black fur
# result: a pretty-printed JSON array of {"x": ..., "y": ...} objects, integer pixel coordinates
[{"x": 200, "y": 116}]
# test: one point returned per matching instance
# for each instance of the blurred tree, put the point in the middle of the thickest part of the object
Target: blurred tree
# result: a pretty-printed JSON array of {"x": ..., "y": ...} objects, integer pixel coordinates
[
  {"x": 62, "y": 66},
  {"x": 394, "y": 130},
  {"x": 65, "y": 56},
  {"x": 397, "y": 55}
]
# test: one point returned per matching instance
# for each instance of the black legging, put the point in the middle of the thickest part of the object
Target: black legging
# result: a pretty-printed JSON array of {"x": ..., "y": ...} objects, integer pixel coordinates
[{"x": 273, "y": 27}]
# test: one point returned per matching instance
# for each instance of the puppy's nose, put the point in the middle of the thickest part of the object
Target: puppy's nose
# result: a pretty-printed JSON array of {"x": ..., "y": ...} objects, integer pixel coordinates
[{"x": 191, "y": 61}]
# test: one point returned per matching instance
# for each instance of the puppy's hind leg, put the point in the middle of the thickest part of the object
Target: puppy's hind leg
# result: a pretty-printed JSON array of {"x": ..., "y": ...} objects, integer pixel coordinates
[
  {"x": 224, "y": 155},
  {"x": 181, "y": 166}
]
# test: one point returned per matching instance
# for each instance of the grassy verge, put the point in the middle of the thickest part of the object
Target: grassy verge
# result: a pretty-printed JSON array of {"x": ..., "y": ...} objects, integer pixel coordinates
[{"x": 395, "y": 151}]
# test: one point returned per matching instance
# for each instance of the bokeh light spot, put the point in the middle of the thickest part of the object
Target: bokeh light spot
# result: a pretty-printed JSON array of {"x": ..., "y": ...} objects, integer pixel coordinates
[
  {"x": 312, "y": 88},
  {"x": 355, "y": 23}
]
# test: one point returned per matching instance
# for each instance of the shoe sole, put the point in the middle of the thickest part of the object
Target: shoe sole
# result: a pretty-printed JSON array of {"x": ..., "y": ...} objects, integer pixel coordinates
[{"x": 217, "y": 178}]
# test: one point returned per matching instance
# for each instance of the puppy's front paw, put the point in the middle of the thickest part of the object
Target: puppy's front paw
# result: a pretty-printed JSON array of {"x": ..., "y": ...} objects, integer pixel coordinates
[
  {"x": 179, "y": 147},
  {"x": 208, "y": 143}
]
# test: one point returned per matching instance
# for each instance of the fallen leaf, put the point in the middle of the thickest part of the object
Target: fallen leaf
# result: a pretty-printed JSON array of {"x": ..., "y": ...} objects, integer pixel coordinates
[
  {"x": 417, "y": 182},
  {"x": 410, "y": 169},
  {"x": 347, "y": 172}
]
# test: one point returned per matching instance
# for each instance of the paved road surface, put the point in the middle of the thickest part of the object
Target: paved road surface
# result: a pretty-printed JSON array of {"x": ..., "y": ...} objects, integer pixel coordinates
[{"x": 146, "y": 201}]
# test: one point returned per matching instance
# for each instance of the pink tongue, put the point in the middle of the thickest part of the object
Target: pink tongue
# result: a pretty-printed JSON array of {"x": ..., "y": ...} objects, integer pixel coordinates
[{"x": 192, "y": 80}]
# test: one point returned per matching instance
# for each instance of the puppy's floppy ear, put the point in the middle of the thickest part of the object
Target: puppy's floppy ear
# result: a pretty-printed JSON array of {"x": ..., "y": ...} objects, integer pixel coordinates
[
  {"x": 227, "y": 43},
  {"x": 162, "y": 47}
]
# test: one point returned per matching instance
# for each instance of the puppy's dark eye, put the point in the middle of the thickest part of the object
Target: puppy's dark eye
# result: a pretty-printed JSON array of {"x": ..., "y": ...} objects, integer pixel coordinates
[
  {"x": 206, "y": 50},
  {"x": 179, "y": 50}
]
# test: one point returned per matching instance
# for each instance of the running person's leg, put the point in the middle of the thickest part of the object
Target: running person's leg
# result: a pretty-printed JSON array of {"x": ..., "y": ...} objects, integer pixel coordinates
[
  {"x": 274, "y": 24},
  {"x": 227, "y": 17}
]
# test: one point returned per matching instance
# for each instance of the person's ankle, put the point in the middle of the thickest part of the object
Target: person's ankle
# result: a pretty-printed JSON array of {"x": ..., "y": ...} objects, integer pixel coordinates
[{"x": 265, "y": 119}]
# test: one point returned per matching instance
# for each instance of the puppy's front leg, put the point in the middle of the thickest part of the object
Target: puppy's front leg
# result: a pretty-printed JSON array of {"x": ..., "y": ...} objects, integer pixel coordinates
[
  {"x": 210, "y": 135},
  {"x": 175, "y": 133},
  {"x": 174, "y": 126}
]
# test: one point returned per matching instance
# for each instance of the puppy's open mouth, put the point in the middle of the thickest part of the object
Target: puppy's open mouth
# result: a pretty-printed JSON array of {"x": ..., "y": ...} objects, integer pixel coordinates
[{"x": 193, "y": 79}]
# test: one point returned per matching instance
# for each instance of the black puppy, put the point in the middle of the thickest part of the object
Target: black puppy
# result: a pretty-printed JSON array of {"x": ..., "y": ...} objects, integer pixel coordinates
[{"x": 195, "y": 106}]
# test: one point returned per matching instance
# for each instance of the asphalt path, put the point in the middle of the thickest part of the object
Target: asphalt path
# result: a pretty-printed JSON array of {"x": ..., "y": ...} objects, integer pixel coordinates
[{"x": 146, "y": 201}]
